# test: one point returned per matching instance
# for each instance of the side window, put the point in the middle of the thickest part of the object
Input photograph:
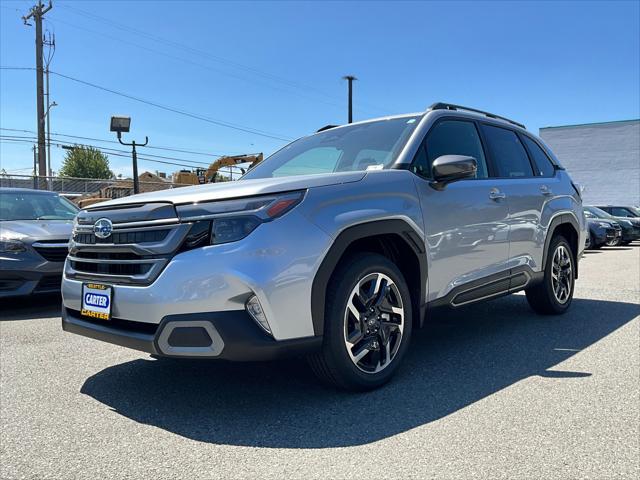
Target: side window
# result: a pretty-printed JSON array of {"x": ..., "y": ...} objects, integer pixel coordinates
[
  {"x": 508, "y": 153},
  {"x": 450, "y": 137},
  {"x": 545, "y": 167},
  {"x": 620, "y": 212}
]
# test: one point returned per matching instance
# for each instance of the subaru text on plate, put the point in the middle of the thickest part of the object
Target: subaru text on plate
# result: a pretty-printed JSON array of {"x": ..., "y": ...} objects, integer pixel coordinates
[{"x": 336, "y": 247}]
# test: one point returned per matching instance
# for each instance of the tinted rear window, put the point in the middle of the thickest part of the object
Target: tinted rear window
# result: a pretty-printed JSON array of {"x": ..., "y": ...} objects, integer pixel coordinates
[
  {"x": 545, "y": 167},
  {"x": 507, "y": 151}
]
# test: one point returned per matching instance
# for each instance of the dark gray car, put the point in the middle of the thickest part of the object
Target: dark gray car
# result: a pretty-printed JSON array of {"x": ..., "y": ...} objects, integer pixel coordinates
[{"x": 35, "y": 227}]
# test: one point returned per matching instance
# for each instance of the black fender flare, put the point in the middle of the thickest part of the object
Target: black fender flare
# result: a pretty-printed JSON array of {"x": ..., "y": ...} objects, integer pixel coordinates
[
  {"x": 557, "y": 221},
  {"x": 357, "y": 232}
]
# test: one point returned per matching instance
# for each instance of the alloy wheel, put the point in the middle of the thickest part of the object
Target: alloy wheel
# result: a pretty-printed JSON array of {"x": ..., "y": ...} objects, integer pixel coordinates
[
  {"x": 374, "y": 323},
  {"x": 561, "y": 274}
]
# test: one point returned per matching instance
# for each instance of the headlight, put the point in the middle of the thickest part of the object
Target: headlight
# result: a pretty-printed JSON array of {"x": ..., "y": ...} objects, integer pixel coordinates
[
  {"x": 604, "y": 224},
  {"x": 225, "y": 230},
  {"x": 11, "y": 246},
  {"x": 232, "y": 220}
]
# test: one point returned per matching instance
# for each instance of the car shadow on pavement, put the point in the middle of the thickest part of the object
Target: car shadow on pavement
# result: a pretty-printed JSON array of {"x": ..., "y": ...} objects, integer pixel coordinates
[
  {"x": 30, "y": 307},
  {"x": 462, "y": 357}
]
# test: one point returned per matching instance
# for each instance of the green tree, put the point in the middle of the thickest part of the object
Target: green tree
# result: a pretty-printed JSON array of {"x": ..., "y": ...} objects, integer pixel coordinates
[{"x": 85, "y": 162}]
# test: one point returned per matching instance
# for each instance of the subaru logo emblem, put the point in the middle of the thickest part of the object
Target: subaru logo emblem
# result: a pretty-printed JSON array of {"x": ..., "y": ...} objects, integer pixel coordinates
[{"x": 103, "y": 228}]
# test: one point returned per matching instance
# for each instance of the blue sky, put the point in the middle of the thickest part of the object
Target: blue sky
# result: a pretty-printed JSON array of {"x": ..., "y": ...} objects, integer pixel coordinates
[{"x": 276, "y": 67}]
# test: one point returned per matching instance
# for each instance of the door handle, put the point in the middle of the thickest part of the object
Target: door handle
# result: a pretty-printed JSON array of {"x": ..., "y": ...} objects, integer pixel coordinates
[
  {"x": 495, "y": 194},
  {"x": 545, "y": 190}
]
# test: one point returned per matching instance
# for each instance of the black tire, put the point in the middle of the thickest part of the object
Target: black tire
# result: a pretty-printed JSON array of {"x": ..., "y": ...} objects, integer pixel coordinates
[
  {"x": 541, "y": 297},
  {"x": 333, "y": 364}
]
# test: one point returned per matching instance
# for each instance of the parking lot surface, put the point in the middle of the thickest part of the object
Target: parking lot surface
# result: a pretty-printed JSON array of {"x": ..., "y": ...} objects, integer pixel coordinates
[{"x": 490, "y": 391}]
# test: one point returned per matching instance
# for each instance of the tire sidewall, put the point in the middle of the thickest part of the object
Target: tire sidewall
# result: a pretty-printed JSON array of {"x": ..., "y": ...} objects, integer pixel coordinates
[{"x": 359, "y": 267}]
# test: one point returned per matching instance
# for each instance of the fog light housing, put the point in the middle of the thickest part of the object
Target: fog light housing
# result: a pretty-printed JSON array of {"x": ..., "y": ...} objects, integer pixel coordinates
[{"x": 254, "y": 309}]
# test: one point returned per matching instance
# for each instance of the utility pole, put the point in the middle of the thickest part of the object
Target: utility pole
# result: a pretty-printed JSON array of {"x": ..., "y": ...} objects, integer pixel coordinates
[
  {"x": 37, "y": 13},
  {"x": 350, "y": 79},
  {"x": 51, "y": 43}
]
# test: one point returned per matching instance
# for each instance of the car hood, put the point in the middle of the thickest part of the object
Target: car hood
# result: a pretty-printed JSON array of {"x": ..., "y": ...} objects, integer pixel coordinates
[
  {"x": 634, "y": 220},
  {"x": 236, "y": 189},
  {"x": 37, "y": 229},
  {"x": 596, "y": 221}
]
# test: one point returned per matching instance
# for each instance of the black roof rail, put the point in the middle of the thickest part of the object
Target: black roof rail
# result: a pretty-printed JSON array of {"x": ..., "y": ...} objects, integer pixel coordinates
[
  {"x": 326, "y": 127},
  {"x": 451, "y": 106}
]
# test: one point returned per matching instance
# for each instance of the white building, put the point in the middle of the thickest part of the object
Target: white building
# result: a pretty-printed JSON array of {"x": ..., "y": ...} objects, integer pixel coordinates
[{"x": 602, "y": 157}]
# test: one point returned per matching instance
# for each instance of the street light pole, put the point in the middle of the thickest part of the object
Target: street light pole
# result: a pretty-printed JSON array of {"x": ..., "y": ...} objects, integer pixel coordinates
[
  {"x": 134, "y": 154},
  {"x": 121, "y": 124},
  {"x": 350, "y": 79}
]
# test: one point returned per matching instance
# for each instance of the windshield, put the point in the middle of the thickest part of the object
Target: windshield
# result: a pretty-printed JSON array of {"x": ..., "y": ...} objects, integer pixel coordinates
[
  {"x": 365, "y": 146},
  {"x": 35, "y": 206},
  {"x": 598, "y": 213}
]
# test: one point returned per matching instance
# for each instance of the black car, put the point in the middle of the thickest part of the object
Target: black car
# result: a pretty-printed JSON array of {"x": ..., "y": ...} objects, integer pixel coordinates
[
  {"x": 624, "y": 214},
  {"x": 602, "y": 231},
  {"x": 629, "y": 232}
]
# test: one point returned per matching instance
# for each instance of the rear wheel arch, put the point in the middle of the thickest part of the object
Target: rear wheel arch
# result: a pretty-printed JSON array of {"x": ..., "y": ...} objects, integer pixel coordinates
[
  {"x": 566, "y": 225},
  {"x": 396, "y": 240}
]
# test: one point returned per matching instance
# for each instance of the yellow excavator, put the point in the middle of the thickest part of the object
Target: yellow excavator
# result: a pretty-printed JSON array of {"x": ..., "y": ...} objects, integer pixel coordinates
[{"x": 210, "y": 175}]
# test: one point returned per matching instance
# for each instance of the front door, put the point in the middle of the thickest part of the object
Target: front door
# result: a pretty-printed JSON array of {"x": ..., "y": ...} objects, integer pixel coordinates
[{"x": 466, "y": 222}]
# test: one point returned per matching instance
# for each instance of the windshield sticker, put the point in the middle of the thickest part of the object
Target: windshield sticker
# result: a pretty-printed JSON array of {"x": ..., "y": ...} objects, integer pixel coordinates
[{"x": 375, "y": 167}]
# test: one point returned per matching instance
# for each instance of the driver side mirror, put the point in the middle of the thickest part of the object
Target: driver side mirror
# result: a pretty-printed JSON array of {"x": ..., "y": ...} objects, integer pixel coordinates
[{"x": 450, "y": 168}]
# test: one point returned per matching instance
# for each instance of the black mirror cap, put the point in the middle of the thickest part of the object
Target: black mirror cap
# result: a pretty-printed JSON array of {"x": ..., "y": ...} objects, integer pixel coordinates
[{"x": 449, "y": 168}]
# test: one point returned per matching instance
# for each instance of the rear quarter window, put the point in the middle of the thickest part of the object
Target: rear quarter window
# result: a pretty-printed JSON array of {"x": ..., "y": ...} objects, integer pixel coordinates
[{"x": 540, "y": 159}]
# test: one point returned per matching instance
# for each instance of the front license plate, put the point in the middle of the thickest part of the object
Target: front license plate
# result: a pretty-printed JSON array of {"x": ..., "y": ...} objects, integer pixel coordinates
[{"x": 96, "y": 301}]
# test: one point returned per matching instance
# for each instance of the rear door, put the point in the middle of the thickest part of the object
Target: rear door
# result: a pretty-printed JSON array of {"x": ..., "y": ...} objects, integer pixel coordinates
[
  {"x": 466, "y": 221},
  {"x": 527, "y": 188}
]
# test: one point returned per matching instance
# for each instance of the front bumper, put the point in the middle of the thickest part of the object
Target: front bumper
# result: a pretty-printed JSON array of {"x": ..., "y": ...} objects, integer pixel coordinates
[
  {"x": 630, "y": 234},
  {"x": 271, "y": 263},
  {"x": 27, "y": 275},
  {"x": 230, "y": 335}
]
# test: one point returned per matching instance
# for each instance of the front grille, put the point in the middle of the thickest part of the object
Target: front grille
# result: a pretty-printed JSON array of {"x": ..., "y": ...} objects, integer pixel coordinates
[
  {"x": 128, "y": 269},
  {"x": 117, "y": 238},
  {"x": 52, "y": 254},
  {"x": 9, "y": 285},
  {"x": 143, "y": 240}
]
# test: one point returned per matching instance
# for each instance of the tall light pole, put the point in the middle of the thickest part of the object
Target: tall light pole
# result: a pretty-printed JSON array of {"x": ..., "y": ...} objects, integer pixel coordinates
[
  {"x": 350, "y": 79},
  {"x": 121, "y": 125}
]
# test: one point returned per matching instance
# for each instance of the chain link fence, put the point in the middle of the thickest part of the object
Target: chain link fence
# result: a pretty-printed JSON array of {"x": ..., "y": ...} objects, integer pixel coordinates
[{"x": 86, "y": 187}]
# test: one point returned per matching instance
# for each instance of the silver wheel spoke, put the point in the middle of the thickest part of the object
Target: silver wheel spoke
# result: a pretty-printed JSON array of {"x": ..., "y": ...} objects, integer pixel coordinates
[
  {"x": 373, "y": 322},
  {"x": 561, "y": 274}
]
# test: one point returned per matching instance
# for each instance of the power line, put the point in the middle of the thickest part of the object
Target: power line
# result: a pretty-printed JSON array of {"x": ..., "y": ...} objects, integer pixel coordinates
[
  {"x": 114, "y": 151},
  {"x": 204, "y": 54},
  {"x": 155, "y": 147},
  {"x": 165, "y": 107},
  {"x": 175, "y": 110},
  {"x": 105, "y": 150},
  {"x": 186, "y": 60}
]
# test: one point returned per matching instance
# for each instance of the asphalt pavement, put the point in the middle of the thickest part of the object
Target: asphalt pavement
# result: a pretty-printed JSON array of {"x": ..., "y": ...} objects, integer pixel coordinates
[{"x": 487, "y": 391}]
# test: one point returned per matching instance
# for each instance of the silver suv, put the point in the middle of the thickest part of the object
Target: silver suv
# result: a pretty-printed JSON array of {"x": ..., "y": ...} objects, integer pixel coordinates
[{"x": 336, "y": 247}]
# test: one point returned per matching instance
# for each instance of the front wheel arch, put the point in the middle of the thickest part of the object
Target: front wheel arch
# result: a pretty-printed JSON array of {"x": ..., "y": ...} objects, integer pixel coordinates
[{"x": 395, "y": 239}]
